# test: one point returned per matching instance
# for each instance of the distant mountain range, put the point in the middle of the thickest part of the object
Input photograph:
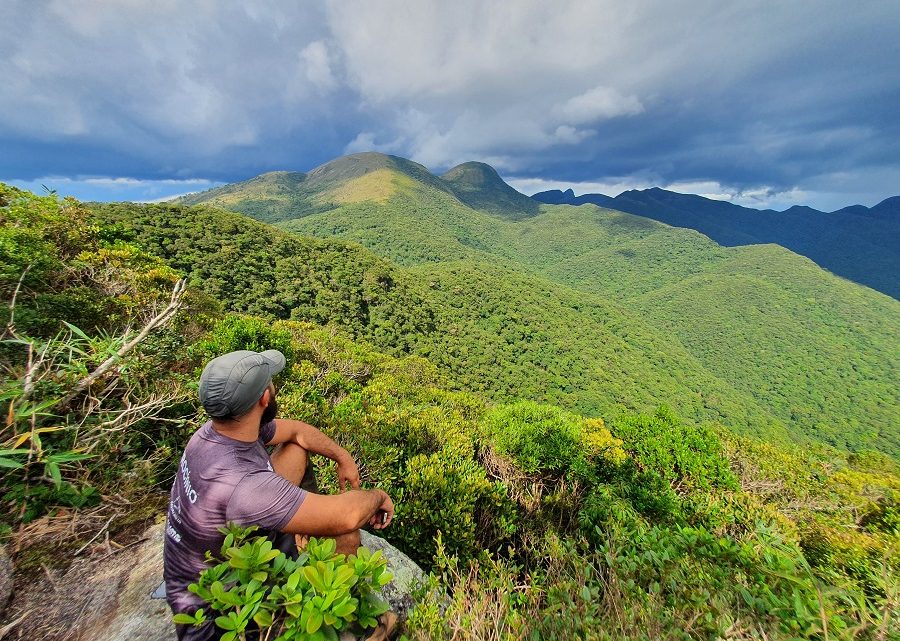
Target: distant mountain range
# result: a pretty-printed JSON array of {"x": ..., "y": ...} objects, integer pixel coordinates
[
  {"x": 593, "y": 308},
  {"x": 284, "y": 195},
  {"x": 859, "y": 243}
]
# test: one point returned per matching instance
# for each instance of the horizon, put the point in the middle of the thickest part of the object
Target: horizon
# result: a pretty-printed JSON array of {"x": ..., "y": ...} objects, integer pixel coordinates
[
  {"x": 99, "y": 189},
  {"x": 117, "y": 102}
]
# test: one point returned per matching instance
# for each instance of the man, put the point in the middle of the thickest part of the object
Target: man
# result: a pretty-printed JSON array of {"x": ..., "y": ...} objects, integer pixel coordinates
[{"x": 226, "y": 474}]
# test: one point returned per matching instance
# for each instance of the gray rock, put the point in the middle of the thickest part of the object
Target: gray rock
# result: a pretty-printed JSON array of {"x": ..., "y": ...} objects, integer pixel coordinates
[
  {"x": 6, "y": 579},
  {"x": 107, "y": 597},
  {"x": 407, "y": 575}
]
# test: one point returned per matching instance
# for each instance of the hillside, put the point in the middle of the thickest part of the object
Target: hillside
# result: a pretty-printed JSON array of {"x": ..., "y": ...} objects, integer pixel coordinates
[
  {"x": 489, "y": 327},
  {"x": 480, "y": 187},
  {"x": 757, "y": 312},
  {"x": 536, "y": 522},
  {"x": 364, "y": 177},
  {"x": 856, "y": 242}
]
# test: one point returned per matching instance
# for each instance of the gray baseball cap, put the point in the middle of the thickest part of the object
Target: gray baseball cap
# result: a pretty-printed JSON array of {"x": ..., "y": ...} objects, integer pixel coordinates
[{"x": 232, "y": 383}]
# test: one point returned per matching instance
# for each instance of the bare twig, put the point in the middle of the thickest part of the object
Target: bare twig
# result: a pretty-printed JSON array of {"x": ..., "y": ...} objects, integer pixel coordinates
[
  {"x": 11, "y": 324},
  {"x": 124, "y": 547},
  {"x": 160, "y": 319},
  {"x": 50, "y": 577},
  {"x": 12, "y": 624},
  {"x": 96, "y": 536}
]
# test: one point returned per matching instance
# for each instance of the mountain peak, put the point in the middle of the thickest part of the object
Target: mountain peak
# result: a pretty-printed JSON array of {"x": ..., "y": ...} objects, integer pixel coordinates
[
  {"x": 473, "y": 173},
  {"x": 479, "y": 186},
  {"x": 356, "y": 165}
]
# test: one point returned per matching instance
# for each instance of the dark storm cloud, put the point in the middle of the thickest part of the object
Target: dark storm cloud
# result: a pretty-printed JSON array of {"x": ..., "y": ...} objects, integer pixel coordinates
[{"x": 781, "y": 101}]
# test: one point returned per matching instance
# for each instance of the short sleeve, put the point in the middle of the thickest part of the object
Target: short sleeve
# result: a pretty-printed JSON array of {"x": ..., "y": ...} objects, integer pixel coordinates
[
  {"x": 267, "y": 432},
  {"x": 265, "y": 499}
]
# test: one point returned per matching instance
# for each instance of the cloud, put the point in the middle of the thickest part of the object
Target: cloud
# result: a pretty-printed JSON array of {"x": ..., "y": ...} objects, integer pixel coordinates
[
  {"x": 316, "y": 59},
  {"x": 570, "y": 91},
  {"x": 108, "y": 188},
  {"x": 599, "y": 103}
]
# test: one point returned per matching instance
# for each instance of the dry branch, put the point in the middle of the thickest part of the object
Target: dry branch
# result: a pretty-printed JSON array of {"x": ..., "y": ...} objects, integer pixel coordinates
[{"x": 157, "y": 321}]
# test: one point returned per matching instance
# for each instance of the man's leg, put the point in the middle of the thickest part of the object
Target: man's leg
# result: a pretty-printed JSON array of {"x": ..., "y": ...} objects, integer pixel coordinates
[{"x": 292, "y": 462}]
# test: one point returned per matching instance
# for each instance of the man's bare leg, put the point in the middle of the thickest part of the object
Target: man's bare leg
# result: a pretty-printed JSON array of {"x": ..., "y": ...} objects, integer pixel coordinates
[{"x": 290, "y": 461}]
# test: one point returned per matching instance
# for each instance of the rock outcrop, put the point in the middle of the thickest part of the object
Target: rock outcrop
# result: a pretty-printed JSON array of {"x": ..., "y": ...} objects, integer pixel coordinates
[
  {"x": 108, "y": 598},
  {"x": 407, "y": 575},
  {"x": 6, "y": 579}
]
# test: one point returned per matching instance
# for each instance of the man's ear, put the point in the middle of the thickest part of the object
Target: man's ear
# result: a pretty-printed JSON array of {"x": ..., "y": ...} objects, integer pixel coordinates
[{"x": 266, "y": 398}]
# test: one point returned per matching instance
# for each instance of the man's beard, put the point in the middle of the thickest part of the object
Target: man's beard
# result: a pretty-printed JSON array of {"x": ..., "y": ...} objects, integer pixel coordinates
[{"x": 270, "y": 412}]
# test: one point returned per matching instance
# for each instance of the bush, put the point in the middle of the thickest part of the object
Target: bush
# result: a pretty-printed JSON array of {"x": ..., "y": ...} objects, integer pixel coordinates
[
  {"x": 234, "y": 333},
  {"x": 311, "y": 598},
  {"x": 447, "y": 494},
  {"x": 540, "y": 438},
  {"x": 686, "y": 456}
]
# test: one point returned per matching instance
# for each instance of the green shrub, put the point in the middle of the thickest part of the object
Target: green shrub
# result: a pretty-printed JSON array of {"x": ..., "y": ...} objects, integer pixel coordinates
[
  {"x": 311, "y": 598},
  {"x": 234, "y": 333},
  {"x": 540, "y": 438},
  {"x": 683, "y": 455},
  {"x": 447, "y": 494}
]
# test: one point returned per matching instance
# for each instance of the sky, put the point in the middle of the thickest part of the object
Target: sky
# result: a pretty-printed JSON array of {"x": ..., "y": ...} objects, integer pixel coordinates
[{"x": 763, "y": 103}]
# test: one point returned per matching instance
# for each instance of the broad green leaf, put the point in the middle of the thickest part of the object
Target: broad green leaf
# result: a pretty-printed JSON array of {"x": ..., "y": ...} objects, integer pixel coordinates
[
  {"x": 312, "y": 575},
  {"x": 314, "y": 622},
  {"x": 184, "y": 619},
  {"x": 52, "y": 470},
  {"x": 226, "y": 623},
  {"x": 263, "y": 618}
]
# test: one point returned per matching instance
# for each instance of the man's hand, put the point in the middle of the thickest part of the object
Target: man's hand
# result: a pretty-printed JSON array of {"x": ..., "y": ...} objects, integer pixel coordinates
[
  {"x": 384, "y": 514},
  {"x": 348, "y": 474}
]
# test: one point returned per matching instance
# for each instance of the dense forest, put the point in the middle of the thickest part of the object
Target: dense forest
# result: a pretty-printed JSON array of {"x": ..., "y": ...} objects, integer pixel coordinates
[
  {"x": 535, "y": 521},
  {"x": 778, "y": 343},
  {"x": 855, "y": 242}
]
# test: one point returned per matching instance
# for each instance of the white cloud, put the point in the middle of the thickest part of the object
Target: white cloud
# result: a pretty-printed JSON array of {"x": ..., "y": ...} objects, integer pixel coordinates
[
  {"x": 598, "y": 104},
  {"x": 317, "y": 63},
  {"x": 106, "y": 188},
  {"x": 649, "y": 88}
]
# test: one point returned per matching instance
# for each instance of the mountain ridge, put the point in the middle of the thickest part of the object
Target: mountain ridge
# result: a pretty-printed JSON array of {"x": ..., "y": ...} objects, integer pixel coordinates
[
  {"x": 348, "y": 179},
  {"x": 856, "y": 242},
  {"x": 645, "y": 265}
]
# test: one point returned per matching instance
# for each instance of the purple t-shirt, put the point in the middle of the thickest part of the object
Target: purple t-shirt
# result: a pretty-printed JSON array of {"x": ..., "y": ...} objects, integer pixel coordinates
[{"x": 219, "y": 479}]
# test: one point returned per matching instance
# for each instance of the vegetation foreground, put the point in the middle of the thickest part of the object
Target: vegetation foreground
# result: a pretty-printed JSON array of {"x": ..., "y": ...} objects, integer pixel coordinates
[{"x": 536, "y": 522}]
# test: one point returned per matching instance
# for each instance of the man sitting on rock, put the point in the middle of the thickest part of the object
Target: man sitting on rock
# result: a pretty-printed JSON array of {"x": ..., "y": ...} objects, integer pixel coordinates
[{"x": 226, "y": 475}]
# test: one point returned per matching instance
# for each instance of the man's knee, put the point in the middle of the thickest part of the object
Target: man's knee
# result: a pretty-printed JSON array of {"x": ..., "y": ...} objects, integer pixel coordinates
[
  {"x": 348, "y": 543},
  {"x": 291, "y": 461}
]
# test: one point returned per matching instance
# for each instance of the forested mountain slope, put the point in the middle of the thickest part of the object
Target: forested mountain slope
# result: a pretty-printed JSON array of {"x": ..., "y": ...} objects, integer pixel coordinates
[
  {"x": 537, "y": 523},
  {"x": 856, "y": 242},
  {"x": 819, "y": 353},
  {"x": 490, "y": 328},
  {"x": 487, "y": 325}
]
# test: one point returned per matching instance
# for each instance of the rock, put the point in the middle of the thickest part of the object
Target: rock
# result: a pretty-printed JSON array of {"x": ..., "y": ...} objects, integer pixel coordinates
[
  {"x": 107, "y": 598},
  {"x": 6, "y": 579},
  {"x": 407, "y": 575}
]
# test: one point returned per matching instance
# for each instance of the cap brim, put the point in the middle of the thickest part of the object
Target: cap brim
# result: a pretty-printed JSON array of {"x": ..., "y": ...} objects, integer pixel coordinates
[{"x": 276, "y": 360}]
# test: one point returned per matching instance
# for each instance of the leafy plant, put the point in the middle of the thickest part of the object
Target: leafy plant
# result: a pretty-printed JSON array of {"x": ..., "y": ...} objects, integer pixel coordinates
[{"x": 310, "y": 598}]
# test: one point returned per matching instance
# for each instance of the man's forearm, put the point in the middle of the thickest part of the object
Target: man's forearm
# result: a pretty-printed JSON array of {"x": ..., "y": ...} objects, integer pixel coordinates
[
  {"x": 336, "y": 514},
  {"x": 314, "y": 441}
]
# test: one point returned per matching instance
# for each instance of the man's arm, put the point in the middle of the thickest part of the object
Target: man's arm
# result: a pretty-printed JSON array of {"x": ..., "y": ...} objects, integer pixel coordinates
[
  {"x": 334, "y": 515},
  {"x": 314, "y": 442}
]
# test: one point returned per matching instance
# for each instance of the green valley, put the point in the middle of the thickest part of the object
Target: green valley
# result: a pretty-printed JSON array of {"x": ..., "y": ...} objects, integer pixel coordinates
[
  {"x": 626, "y": 525},
  {"x": 816, "y": 354}
]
